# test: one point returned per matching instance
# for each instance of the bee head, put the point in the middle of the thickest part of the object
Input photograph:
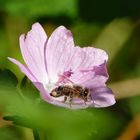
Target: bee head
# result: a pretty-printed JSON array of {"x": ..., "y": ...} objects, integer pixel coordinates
[
  {"x": 55, "y": 93},
  {"x": 84, "y": 93}
]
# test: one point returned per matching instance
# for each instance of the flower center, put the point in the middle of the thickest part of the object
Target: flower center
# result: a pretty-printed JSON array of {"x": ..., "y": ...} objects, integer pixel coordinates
[{"x": 64, "y": 78}]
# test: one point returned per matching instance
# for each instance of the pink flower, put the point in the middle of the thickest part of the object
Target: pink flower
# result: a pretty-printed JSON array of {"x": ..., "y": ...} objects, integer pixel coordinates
[{"x": 55, "y": 64}]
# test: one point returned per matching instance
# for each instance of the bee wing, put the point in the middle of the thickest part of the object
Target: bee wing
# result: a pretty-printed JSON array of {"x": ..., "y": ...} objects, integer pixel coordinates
[{"x": 76, "y": 91}]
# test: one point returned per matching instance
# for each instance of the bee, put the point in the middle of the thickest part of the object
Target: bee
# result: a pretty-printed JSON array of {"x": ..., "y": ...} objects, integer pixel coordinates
[{"x": 74, "y": 91}]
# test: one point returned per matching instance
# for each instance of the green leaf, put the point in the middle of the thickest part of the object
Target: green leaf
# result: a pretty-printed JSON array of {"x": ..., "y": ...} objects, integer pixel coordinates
[
  {"x": 4, "y": 47},
  {"x": 11, "y": 132},
  {"x": 86, "y": 33},
  {"x": 134, "y": 104},
  {"x": 60, "y": 123},
  {"x": 37, "y": 8},
  {"x": 127, "y": 61},
  {"x": 114, "y": 35},
  {"x": 28, "y": 89},
  {"x": 7, "y": 78}
]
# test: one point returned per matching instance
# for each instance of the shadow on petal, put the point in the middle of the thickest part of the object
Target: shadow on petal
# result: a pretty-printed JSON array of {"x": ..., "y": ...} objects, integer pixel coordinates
[
  {"x": 101, "y": 70},
  {"x": 102, "y": 97}
]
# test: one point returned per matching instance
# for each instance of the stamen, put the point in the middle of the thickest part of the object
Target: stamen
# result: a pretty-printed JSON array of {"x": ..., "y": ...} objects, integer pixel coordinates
[{"x": 64, "y": 78}]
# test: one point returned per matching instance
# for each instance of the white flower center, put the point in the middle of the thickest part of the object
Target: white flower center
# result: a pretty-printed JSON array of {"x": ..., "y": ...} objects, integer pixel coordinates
[{"x": 50, "y": 86}]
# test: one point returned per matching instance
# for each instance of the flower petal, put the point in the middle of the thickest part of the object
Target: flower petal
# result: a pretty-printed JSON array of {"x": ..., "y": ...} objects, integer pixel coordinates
[
  {"x": 58, "y": 52},
  {"x": 91, "y": 78},
  {"x": 24, "y": 69},
  {"x": 32, "y": 48},
  {"x": 44, "y": 93},
  {"x": 89, "y": 57},
  {"x": 101, "y": 70},
  {"x": 102, "y": 97},
  {"x": 67, "y": 105}
]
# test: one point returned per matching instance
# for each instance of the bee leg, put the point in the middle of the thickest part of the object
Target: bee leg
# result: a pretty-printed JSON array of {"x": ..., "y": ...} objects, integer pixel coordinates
[
  {"x": 71, "y": 99},
  {"x": 84, "y": 98},
  {"x": 65, "y": 99}
]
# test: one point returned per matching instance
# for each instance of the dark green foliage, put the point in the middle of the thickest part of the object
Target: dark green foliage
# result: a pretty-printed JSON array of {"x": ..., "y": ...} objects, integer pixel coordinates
[
  {"x": 60, "y": 123},
  {"x": 8, "y": 78},
  {"x": 37, "y": 8}
]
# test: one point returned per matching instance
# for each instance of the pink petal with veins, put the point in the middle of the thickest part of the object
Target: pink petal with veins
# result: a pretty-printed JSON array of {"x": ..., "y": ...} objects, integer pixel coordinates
[
  {"x": 58, "y": 52},
  {"x": 24, "y": 69},
  {"x": 32, "y": 48},
  {"x": 91, "y": 70}
]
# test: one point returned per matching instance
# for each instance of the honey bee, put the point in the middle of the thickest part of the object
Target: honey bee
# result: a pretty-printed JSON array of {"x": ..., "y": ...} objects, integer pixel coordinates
[{"x": 74, "y": 91}]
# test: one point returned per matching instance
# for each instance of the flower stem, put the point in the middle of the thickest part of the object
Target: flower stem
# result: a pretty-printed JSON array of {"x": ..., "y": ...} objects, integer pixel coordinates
[{"x": 36, "y": 134}]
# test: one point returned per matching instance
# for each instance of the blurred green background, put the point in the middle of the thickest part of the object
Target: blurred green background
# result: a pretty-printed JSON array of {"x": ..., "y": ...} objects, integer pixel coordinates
[{"x": 111, "y": 25}]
